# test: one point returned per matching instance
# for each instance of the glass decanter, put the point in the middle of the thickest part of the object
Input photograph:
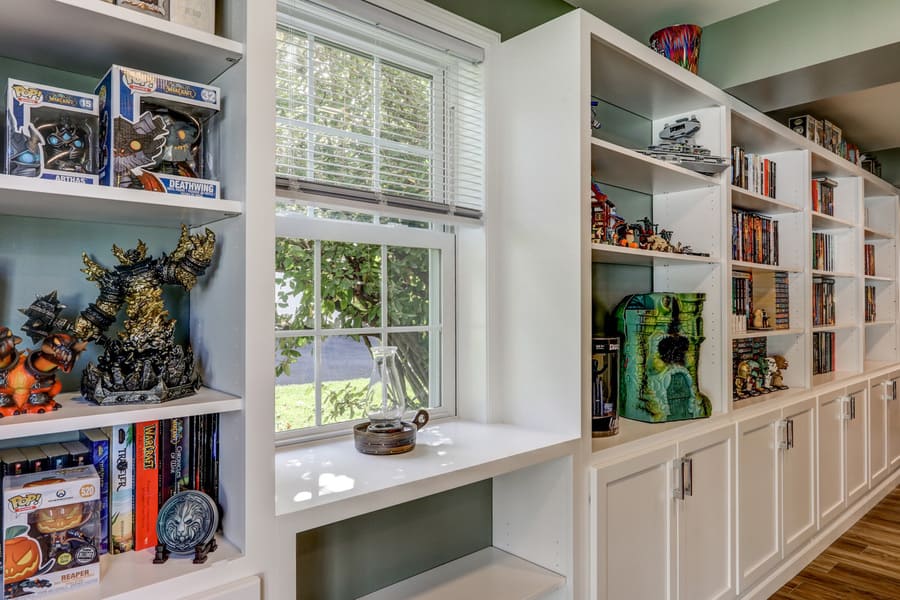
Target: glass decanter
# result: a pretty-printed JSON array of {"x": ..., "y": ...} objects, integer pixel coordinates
[{"x": 385, "y": 400}]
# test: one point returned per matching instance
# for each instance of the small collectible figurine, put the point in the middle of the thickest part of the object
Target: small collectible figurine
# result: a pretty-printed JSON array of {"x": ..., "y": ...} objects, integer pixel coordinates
[
  {"x": 781, "y": 364},
  {"x": 28, "y": 381},
  {"x": 62, "y": 526},
  {"x": 137, "y": 148},
  {"x": 67, "y": 146},
  {"x": 144, "y": 364},
  {"x": 760, "y": 319}
]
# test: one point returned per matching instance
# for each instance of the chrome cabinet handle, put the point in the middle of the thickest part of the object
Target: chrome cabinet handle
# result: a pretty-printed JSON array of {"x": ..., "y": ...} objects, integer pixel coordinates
[
  {"x": 689, "y": 486},
  {"x": 790, "y": 434},
  {"x": 783, "y": 436},
  {"x": 679, "y": 468}
]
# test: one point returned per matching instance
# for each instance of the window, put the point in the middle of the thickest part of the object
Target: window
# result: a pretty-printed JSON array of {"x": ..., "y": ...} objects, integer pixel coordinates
[{"x": 375, "y": 134}]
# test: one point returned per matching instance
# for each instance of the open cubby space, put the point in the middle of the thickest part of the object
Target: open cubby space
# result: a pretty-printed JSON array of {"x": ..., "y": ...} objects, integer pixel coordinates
[
  {"x": 847, "y": 199},
  {"x": 885, "y": 258},
  {"x": 846, "y": 356},
  {"x": 881, "y": 342},
  {"x": 794, "y": 349},
  {"x": 846, "y": 250},
  {"x": 880, "y": 214},
  {"x": 621, "y": 79}
]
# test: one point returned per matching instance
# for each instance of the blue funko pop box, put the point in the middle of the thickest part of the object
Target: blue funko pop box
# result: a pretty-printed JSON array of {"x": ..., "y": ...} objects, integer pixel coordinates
[
  {"x": 51, "y": 133},
  {"x": 154, "y": 133}
]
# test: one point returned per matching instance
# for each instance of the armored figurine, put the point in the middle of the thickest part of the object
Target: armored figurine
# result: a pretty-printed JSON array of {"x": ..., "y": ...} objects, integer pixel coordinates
[{"x": 143, "y": 364}]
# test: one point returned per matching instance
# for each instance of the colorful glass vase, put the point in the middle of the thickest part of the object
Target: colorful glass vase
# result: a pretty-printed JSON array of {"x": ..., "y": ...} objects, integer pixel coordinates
[{"x": 680, "y": 44}]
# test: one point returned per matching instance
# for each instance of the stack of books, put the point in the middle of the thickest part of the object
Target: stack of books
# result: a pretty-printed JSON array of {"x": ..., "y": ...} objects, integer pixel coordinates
[
  {"x": 823, "y": 195},
  {"x": 870, "y": 259},
  {"x": 823, "y": 301},
  {"x": 822, "y": 252},
  {"x": 823, "y": 352},
  {"x": 753, "y": 172},
  {"x": 754, "y": 238},
  {"x": 870, "y": 304}
]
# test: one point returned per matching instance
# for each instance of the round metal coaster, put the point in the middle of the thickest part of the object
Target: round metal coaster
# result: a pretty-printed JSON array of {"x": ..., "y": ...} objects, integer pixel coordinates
[{"x": 185, "y": 520}]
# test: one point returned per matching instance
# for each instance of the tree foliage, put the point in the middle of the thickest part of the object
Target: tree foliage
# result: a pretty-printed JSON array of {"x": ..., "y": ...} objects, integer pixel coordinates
[{"x": 351, "y": 299}]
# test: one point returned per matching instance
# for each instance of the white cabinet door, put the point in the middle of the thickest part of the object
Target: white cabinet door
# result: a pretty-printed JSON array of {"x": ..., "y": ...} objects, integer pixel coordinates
[
  {"x": 855, "y": 463},
  {"x": 893, "y": 424},
  {"x": 830, "y": 456},
  {"x": 632, "y": 522},
  {"x": 798, "y": 475},
  {"x": 758, "y": 536},
  {"x": 704, "y": 517},
  {"x": 879, "y": 392}
]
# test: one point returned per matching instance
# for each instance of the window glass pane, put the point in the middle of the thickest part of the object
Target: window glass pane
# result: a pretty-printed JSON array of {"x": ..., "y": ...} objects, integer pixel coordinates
[
  {"x": 292, "y": 75},
  {"x": 343, "y": 89},
  {"x": 345, "y": 369},
  {"x": 291, "y": 150},
  {"x": 343, "y": 161},
  {"x": 295, "y": 393},
  {"x": 405, "y": 174},
  {"x": 294, "y": 284},
  {"x": 415, "y": 361},
  {"x": 405, "y": 106},
  {"x": 408, "y": 277},
  {"x": 351, "y": 285}
]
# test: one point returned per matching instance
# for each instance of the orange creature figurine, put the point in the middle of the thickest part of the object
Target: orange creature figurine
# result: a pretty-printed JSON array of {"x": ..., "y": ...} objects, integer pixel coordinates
[{"x": 28, "y": 381}]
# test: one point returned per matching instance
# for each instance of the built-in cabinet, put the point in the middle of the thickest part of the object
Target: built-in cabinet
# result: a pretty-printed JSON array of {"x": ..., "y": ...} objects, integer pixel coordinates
[{"x": 663, "y": 524}]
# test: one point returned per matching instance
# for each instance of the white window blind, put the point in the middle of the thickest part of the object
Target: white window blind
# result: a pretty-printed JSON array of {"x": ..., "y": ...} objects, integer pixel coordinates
[{"x": 372, "y": 115}]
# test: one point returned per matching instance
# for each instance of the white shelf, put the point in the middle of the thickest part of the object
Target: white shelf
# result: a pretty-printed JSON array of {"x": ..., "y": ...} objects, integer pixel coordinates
[
  {"x": 327, "y": 481},
  {"x": 820, "y": 273},
  {"x": 872, "y": 234},
  {"x": 765, "y": 333},
  {"x": 488, "y": 573},
  {"x": 832, "y": 377},
  {"x": 747, "y": 200},
  {"x": 97, "y": 34},
  {"x": 878, "y": 278},
  {"x": 751, "y": 266},
  {"x": 620, "y": 255},
  {"x": 32, "y": 197},
  {"x": 822, "y": 221},
  {"x": 123, "y": 575},
  {"x": 77, "y": 413},
  {"x": 838, "y": 327},
  {"x": 614, "y": 165},
  {"x": 879, "y": 323}
]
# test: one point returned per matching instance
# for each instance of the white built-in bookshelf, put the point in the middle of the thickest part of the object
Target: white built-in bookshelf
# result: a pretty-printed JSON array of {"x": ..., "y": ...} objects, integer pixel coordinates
[{"x": 641, "y": 542}]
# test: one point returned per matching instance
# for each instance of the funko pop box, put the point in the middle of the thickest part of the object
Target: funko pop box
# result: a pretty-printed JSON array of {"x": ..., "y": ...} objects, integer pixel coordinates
[
  {"x": 51, "y": 523},
  {"x": 51, "y": 133},
  {"x": 154, "y": 134}
]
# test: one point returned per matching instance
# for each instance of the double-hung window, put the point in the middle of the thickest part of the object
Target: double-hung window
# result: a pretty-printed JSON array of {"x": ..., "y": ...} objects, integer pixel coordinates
[{"x": 379, "y": 150}]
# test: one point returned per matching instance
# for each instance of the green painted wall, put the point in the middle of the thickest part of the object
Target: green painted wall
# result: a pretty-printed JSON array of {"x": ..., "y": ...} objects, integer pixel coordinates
[
  {"x": 366, "y": 553},
  {"x": 792, "y": 34},
  {"x": 508, "y": 17}
]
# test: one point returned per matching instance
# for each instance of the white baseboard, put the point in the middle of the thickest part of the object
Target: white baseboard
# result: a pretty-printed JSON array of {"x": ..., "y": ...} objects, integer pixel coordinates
[{"x": 824, "y": 538}]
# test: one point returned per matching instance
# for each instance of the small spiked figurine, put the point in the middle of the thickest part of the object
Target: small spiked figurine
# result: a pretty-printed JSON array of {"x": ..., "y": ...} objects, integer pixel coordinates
[{"x": 28, "y": 383}]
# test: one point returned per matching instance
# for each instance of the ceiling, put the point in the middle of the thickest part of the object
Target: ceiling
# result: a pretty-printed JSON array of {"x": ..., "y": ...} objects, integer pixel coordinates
[
  {"x": 860, "y": 114},
  {"x": 640, "y": 18}
]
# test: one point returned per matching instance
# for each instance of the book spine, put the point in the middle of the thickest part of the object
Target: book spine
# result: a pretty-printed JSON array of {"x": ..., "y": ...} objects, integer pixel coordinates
[
  {"x": 166, "y": 469},
  {"x": 146, "y": 481},
  {"x": 99, "y": 447},
  {"x": 121, "y": 510}
]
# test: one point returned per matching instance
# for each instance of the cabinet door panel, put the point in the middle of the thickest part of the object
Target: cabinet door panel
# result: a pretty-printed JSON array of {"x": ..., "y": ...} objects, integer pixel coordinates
[
  {"x": 632, "y": 552},
  {"x": 855, "y": 463},
  {"x": 831, "y": 456},
  {"x": 759, "y": 543},
  {"x": 878, "y": 465},
  {"x": 705, "y": 530},
  {"x": 893, "y": 433},
  {"x": 798, "y": 496}
]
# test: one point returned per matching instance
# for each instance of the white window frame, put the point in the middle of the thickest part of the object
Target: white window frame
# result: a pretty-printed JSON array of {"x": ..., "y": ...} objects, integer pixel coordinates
[{"x": 442, "y": 380}]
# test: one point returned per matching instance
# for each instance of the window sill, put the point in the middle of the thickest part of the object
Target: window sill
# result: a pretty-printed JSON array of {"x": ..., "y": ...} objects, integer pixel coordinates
[{"x": 329, "y": 481}]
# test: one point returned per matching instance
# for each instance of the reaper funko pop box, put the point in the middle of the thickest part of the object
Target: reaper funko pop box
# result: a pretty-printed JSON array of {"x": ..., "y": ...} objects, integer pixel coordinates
[
  {"x": 51, "y": 133},
  {"x": 153, "y": 133},
  {"x": 51, "y": 523}
]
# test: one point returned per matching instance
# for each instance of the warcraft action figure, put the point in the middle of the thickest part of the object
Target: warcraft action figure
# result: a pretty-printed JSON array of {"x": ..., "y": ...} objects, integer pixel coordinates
[
  {"x": 144, "y": 364},
  {"x": 28, "y": 381}
]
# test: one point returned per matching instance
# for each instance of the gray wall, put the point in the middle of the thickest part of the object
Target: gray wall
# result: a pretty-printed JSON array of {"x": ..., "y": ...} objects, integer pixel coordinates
[
  {"x": 366, "y": 553},
  {"x": 508, "y": 17}
]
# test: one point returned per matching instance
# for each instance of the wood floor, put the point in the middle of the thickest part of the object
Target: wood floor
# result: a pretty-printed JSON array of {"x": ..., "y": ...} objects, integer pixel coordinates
[{"x": 863, "y": 564}]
